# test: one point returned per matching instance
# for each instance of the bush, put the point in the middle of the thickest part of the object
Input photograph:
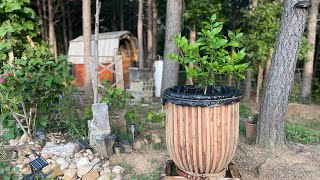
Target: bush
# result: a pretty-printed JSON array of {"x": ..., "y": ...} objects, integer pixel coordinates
[{"x": 299, "y": 133}]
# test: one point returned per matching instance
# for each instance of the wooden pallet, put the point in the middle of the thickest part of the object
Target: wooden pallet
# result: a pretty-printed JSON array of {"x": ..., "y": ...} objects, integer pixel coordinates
[{"x": 231, "y": 174}]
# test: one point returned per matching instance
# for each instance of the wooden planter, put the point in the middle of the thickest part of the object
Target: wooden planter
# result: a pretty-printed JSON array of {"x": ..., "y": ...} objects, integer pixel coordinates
[{"x": 202, "y": 140}]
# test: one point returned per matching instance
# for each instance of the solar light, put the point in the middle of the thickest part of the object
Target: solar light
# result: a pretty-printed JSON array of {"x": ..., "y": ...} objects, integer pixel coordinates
[
  {"x": 303, "y": 4},
  {"x": 133, "y": 129},
  {"x": 111, "y": 140}
]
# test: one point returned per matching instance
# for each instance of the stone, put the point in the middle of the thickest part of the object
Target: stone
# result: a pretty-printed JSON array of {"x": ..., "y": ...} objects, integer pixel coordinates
[
  {"x": 117, "y": 170},
  {"x": 92, "y": 175},
  {"x": 67, "y": 150},
  {"x": 64, "y": 166},
  {"x": 25, "y": 161},
  {"x": 56, "y": 173},
  {"x": 137, "y": 145},
  {"x": 89, "y": 151},
  {"x": 13, "y": 142},
  {"x": 105, "y": 177},
  {"x": 26, "y": 170},
  {"x": 96, "y": 160},
  {"x": 47, "y": 155},
  {"x": 32, "y": 157},
  {"x": 96, "y": 166},
  {"x": 83, "y": 161},
  {"x": 31, "y": 143},
  {"x": 91, "y": 156},
  {"x": 47, "y": 169},
  {"x": 77, "y": 155},
  {"x": 70, "y": 174},
  {"x": 117, "y": 178},
  {"x": 25, "y": 138},
  {"x": 106, "y": 164},
  {"x": 72, "y": 166},
  {"x": 155, "y": 138},
  {"x": 82, "y": 170}
]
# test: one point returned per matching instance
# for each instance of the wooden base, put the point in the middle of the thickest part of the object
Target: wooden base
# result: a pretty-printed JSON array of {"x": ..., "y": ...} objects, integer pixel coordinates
[{"x": 170, "y": 169}]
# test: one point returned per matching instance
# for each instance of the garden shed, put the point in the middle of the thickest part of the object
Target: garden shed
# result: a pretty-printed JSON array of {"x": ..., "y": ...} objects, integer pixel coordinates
[{"x": 117, "y": 52}]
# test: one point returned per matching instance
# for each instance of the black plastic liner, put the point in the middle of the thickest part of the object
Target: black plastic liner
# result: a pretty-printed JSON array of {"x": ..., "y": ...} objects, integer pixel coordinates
[{"x": 193, "y": 96}]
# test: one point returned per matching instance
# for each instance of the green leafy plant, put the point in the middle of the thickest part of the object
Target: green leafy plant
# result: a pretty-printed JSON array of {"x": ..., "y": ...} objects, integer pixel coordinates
[
  {"x": 210, "y": 54},
  {"x": 6, "y": 171},
  {"x": 299, "y": 133},
  {"x": 116, "y": 98},
  {"x": 29, "y": 75}
]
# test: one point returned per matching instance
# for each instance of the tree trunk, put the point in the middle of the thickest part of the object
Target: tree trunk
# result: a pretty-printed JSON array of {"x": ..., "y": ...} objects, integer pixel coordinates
[
  {"x": 154, "y": 28},
  {"x": 266, "y": 71},
  {"x": 52, "y": 34},
  {"x": 247, "y": 91},
  {"x": 150, "y": 35},
  {"x": 173, "y": 26},
  {"x": 114, "y": 16},
  {"x": 121, "y": 16},
  {"x": 70, "y": 34},
  {"x": 234, "y": 27},
  {"x": 259, "y": 82},
  {"x": 44, "y": 19},
  {"x": 308, "y": 64},
  {"x": 64, "y": 27},
  {"x": 86, "y": 16},
  {"x": 277, "y": 89},
  {"x": 140, "y": 34},
  {"x": 254, "y": 3},
  {"x": 41, "y": 16},
  {"x": 94, "y": 65}
]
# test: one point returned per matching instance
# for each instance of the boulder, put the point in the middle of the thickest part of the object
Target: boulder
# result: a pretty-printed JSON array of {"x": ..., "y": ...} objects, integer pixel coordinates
[
  {"x": 92, "y": 175},
  {"x": 83, "y": 161},
  {"x": 67, "y": 150}
]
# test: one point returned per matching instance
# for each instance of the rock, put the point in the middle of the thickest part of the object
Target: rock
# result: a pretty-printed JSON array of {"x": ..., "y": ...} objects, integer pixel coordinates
[
  {"x": 91, "y": 156},
  {"x": 106, "y": 164},
  {"x": 70, "y": 174},
  {"x": 56, "y": 173},
  {"x": 77, "y": 155},
  {"x": 96, "y": 166},
  {"x": 145, "y": 140},
  {"x": 83, "y": 161},
  {"x": 25, "y": 161},
  {"x": 13, "y": 142},
  {"x": 32, "y": 157},
  {"x": 72, "y": 166},
  {"x": 155, "y": 138},
  {"x": 89, "y": 151},
  {"x": 82, "y": 170},
  {"x": 31, "y": 143},
  {"x": 67, "y": 150},
  {"x": 25, "y": 138},
  {"x": 26, "y": 170},
  {"x": 92, "y": 175},
  {"x": 47, "y": 155},
  {"x": 105, "y": 177},
  {"x": 47, "y": 169},
  {"x": 63, "y": 163},
  {"x": 117, "y": 178},
  {"x": 38, "y": 146},
  {"x": 96, "y": 160},
  {"x": 117, "y": 170},
  {"x": 137, "y": 145}
]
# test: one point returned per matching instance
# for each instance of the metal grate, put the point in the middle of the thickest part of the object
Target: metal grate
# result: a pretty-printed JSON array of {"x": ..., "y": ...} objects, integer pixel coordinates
[{"x": 84, "y": 144}]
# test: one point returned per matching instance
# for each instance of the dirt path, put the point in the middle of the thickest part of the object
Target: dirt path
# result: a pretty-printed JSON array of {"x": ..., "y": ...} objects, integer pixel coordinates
[{"x": 297, "y": 161}]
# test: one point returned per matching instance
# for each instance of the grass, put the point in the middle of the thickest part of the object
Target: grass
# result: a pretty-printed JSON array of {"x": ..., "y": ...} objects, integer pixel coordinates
[
  {"x": 155, "y": 175},
  {"x": 302, "y": 134}
]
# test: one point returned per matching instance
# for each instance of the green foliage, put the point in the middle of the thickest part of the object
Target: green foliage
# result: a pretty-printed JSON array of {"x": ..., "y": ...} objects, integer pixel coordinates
[
  {"x": 33, "y": 78},
  {"x": 159, "y": 146},
  {"x": 245, "y": 111},
  {"x": 6, "y": 171},
  {"x": 71, "y": 115},
  {"x": 299, "y": 133},
  {"x": 210, "y": 55},
  {"x": 116, "y": 98},
  {"x": 261, "y": 27}
]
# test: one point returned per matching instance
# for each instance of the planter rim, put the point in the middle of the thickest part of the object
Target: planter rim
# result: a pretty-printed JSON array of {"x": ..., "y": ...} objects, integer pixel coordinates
[{"x": 191, "y": 95}]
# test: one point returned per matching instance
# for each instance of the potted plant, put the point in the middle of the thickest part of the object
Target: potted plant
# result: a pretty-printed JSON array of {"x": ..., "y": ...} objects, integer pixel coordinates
[
  {"x": 202, "y": 121},
  {"x": 251, "y": 127}
]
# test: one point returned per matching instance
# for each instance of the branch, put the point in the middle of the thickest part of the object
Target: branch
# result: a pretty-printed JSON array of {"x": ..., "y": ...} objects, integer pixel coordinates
[
  {"x": 55, "y": 11},
  {"x": 18, "y": 120}
]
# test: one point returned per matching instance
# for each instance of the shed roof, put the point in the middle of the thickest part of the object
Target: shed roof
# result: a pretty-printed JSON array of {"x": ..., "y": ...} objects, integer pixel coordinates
[{"x": 108, "y": 46}]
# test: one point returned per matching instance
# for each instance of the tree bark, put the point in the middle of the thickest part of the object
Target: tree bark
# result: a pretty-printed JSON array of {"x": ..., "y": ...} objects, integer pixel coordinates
[
  {"x": 173, "y": 26},
  {"x": 308, "y": 64},
  {"x": 277, "y": 89},
  {"x": 247, "y": 91},
  {"x": 41, "y": 16},
  {"x": 155, "y": 28},
  {"x": 150, "y": 35},
  {"x": 140, "y": 34},
  {"x": 45, "y": 24},
  {"x": 52, "y": 34},
  {"x": 95, "y": 64},
  {"x": 259, "y": 82},
  {"x": 64, "y": 27},
  {"x": 121, "y": 16},
  {"x": 70, "y": 34},
  {"x": 86, "y": 17}
]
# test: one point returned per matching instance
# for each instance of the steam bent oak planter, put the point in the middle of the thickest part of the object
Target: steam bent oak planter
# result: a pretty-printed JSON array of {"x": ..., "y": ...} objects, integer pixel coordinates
[{"x": 202, "y": 130}]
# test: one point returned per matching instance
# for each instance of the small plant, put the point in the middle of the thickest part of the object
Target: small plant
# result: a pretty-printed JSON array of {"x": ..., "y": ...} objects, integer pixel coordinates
[
  {"x": 210, "y": 54},
  {"x": 245, "y": 111},
  {"x": 116, "y": 98},
  {"x": 6, "y": 171},
  {"x": 299, "y": 133}
]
